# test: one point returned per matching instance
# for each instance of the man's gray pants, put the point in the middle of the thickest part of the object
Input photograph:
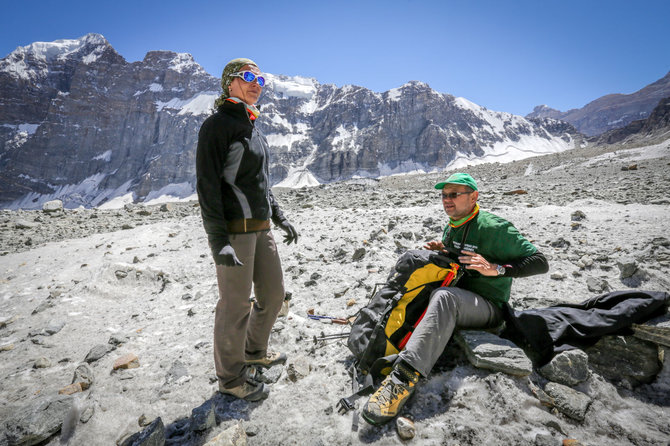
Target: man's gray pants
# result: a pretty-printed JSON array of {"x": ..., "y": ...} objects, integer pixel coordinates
[
  {"x": 242, "y": 331},
  {"x": 448, "y": 309}
]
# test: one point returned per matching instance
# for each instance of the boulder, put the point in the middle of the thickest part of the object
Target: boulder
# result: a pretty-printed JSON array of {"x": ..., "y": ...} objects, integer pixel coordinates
[
  {"x": 626, "y": 360},
  {"x": 569, "y": 401},
  {"x": 52, "y": 206},
  {"x": 570, "y": 368},
  {"x": 36, "y": 421},
  {"x": 488, "y": 351}
]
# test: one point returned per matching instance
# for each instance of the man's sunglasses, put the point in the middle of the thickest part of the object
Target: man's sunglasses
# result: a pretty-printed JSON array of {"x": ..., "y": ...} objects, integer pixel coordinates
[
  {"x": 454, "y": 195},
  {"x": 248, "y": 76}
]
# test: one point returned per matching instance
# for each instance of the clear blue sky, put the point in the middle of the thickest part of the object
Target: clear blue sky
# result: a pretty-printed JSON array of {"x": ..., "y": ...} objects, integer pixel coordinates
[{"x": 505, "y": 55}]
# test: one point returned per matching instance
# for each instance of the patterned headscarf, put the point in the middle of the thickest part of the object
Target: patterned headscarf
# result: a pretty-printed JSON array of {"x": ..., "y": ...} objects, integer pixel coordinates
[{"x": 231, "y": 67}]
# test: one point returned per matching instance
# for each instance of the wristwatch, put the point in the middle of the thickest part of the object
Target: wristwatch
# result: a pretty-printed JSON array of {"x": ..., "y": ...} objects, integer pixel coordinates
[{"x": 501, "y": 270}]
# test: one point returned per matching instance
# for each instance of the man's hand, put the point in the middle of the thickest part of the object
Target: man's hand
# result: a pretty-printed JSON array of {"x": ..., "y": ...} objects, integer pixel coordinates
[
  {"x": 472, "y": 260},
  {"x": 229, "y": 257},
  {"x": 291, "y": 233},
  {"x": 434, "y": 246}
]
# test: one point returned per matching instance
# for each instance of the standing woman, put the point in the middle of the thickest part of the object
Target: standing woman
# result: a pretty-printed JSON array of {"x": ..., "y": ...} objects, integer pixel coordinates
[{"x": 237, "y": 204}]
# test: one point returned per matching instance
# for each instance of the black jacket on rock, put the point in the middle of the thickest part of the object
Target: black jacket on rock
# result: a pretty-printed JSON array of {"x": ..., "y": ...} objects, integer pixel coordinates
[
  {"x": 232, "y": 174},
  {"x": 546, "y": 331}
]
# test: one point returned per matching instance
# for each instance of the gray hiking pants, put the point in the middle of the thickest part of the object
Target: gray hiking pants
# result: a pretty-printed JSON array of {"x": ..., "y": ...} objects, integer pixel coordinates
[
  {"x": 448, "y": 309},
  {"x": 242, "y": 331}
]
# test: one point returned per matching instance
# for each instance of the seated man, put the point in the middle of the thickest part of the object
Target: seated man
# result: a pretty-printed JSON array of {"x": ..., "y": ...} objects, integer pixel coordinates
[{"x": 493, "y": 252}]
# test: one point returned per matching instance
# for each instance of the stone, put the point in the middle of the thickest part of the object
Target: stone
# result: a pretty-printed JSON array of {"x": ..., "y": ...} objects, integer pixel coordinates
[
  {"x": 152, "y": 435},
  {"x": 491, "y": 352},
  {"x": 116, "y": 340},
  {"x": 625, "y": 360},
  {"x": 577, "y": 216},
  {"x": 560, "y": 243},
  {"x": 358, "y": 254},
  {"x": 596, "y": 285},
  {"x": 71, "y": 388},
  {"x": 54, "y": 327},
  {"x": 83, "y": 375},
  {"x": 177, "y": 373},
  {"x": 97, "y": 352},
  {"x": 656, "y": 334},
  {"x": 168, "y": 207},
  {"x": 546, "y": 440},
  {"x": 37, "y": 421},
  {"x": 128, "y": 361},
  {"x": 52, "y": 206},
  {"x": 351, "y": 302},
  {"x": 557, "y": 276},
  {"x": 405, "y": 427},
  {"x": 627, "y": 267},
  {"x": 569, "y": 401},
  {"x": 42, "y": 363},
  {"x": 569, "y": 368},
  {"x": 25, "y": 224},
  {"x": 233, "y": 436},
  {"x": 297, "y": 368},
  {"x": 6, "y": 347},
  {"x": 203, "y": 417},
  {"x": 516, "y": 192},
  {"x": 87, "y": 413}
]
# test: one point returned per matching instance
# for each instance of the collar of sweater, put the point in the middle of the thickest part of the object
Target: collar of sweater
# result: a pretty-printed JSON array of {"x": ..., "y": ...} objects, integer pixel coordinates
[{"x": 458, "y": 223}]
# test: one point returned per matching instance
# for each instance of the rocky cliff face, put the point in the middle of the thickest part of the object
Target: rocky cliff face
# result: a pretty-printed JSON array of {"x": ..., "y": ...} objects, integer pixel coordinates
[
  {"x": 655, "y": 127},
  {"x": 80, "y": 123},
  {"x": 611, "y": 111}
]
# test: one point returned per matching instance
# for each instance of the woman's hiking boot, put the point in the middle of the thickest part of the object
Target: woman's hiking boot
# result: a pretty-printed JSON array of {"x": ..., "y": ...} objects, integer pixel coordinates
[
  {"x": 250, "y": 390},
  {"x": 270, "y": 359},
  {"x": 389, "y": 399}
]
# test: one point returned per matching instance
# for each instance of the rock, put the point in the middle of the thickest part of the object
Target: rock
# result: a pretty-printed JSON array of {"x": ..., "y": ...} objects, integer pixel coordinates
[
  {"x": 627, "y": 267},
  {"x": 97, "y": 352},
  {"x": 577, "y": 216},
  {"x": 83, "y": 375},
  {"x": 515, "y": 192},
  {"x": 560, "y": 243},
  {"x": 585, "y": 262},
  {"x": 25, "y": 224},
  {"x": 557, "y": 276},
  {"x": 298, "y": 368},
  {"x": 626, "y": 360},
  {"x": 596, "y": 285},
  {"x": 632, "y": 167},
  {"x": 152, "y": 435},
  {"x": 42, "y": 363},
  {"x": 6, "y": 347},
  {"x": 233, "y": 436},
  {"x": 488, "y": 351},
  {"x": 128, "y": 361},
  {"x": 87, "y": 413},
  {"x": 70, "y": 389},
  {"x": 45, "y": 305},
  {"x": 37, "y": 421},
  {"x": 546, "y": 440},
  {"x": 569, "y": 401},
  {"x": 203, "y": 417},
  {"x": 52, "y": 206},
  {"x": 569, "y": 368},
  {"x": 54, "y": 327},
  {"x": 656, "y": 334},
  {"x": 351, "y": 302},
  {"x": 168, "y": 207},
  {"x": 116, "y": 340},
  {"x": 405, "y": 427},
  {"x": 358, "y": 254},
  {"x": 178, "y": 373}
]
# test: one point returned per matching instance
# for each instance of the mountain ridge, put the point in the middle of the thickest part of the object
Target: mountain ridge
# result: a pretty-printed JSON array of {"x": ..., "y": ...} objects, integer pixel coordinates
[{"x": 94, "y": 127}]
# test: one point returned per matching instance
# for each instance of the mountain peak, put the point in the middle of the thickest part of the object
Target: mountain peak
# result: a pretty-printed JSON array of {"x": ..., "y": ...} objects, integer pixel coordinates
[{"x": 180, "y": 62}]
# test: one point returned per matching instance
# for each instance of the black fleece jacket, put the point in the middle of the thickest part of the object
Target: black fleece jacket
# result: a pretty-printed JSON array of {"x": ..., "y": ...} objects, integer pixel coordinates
[{"x": 232, "y": 174}]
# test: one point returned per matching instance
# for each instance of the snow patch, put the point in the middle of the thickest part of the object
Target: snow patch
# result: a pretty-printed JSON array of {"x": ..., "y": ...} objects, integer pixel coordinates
[
  {"x": 394, "y": 94},
  {"x": 508, "y": 151},
  {"x": 170, "y": 193},
  {"x": 344, "y": 139},
  {"x": 155, "y": 87},
  {"x": 106, "y": 156},
  {"x": 298, "y": 177},
  {"x": 200, "y": 104},
  {"x": 292, "y": 87}
]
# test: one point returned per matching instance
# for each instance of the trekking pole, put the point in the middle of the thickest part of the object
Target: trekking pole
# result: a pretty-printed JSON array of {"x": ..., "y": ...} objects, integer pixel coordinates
[{"x": 329, "y": 337}]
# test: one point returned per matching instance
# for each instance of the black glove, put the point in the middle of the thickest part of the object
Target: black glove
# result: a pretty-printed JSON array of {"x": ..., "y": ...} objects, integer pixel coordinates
[
  {"x": 228, "y": 256},
  {"x": 291, "y": 233}
]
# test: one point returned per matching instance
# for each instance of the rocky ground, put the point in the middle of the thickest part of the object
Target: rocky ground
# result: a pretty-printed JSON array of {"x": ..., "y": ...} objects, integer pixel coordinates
[{"x": 135, "y": 288}]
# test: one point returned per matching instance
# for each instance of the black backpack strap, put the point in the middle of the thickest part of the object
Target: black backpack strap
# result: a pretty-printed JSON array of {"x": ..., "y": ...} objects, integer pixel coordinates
[{"x": 367, "y": 386}]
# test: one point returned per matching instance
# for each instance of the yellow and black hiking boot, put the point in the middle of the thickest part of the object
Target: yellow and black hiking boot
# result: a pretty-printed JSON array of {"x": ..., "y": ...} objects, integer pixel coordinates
[
  {"x": 389, "y": 399},
  {"x": 270, "y": 359}
]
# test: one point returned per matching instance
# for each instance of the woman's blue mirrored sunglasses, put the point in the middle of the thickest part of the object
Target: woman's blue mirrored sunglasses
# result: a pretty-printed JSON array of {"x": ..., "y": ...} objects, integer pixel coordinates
[{"x": 248, "y": 76}]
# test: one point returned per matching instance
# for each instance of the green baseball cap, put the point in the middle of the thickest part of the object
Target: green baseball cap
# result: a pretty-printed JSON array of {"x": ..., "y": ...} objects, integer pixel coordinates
[{"x": 459, "y": 178}]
